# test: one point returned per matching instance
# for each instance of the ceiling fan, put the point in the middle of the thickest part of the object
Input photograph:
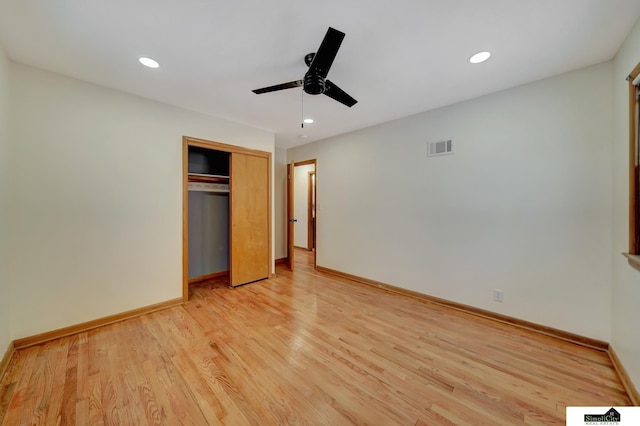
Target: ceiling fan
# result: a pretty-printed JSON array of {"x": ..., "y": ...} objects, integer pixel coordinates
[{"x": 315, "y": 80}]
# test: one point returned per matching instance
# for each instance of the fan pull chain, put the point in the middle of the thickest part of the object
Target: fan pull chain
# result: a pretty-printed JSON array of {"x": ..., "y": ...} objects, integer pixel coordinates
[{"x": 302, "y": 109}]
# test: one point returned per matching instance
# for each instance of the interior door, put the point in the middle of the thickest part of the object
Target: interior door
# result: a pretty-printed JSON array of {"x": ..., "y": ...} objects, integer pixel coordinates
[
  {"x": 290, "y": 215},
  {"x": 249, "y": 218}
]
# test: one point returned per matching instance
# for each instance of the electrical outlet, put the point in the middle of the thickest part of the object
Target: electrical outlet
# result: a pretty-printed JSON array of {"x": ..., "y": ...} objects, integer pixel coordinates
[{"x": 498, "y": 295}]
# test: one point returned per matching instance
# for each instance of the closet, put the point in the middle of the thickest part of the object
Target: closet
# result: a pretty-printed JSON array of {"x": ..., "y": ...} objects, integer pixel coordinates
[
  {"x": 208, "y": 213},
  {"x": 226, "y": 218}
]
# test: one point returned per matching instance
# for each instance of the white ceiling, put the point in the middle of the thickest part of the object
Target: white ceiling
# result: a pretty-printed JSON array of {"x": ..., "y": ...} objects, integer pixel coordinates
[{"x": 398, "y": 58}]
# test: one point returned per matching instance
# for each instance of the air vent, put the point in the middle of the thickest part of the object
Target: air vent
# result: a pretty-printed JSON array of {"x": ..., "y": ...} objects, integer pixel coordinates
[{"x": 440, "y": 148}]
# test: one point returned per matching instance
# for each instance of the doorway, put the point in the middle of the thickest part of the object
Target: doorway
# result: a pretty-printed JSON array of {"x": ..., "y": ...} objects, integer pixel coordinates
[{"x": 302, "y": 209}]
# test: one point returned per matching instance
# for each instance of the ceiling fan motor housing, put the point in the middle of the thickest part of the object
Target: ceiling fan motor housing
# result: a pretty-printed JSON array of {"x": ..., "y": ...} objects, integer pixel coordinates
[
  {"x": 313, "y": 84},
  {"x": 315, "y": 80}
]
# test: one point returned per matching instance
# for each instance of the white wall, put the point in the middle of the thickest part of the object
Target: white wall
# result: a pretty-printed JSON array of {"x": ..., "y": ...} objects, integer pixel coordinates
[
  {"x": 301, "y": 201},
  {"x": 280, "y": 201},
  {"x": 99, "y": 198},
  {"x": 524, "y": 205},
  {"x": 625, "y": 306},
  {"x": 5, "y": 222}
]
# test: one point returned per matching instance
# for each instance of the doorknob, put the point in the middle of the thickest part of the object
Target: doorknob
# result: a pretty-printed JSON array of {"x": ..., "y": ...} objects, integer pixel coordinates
[{"x": 293, "y": 220}]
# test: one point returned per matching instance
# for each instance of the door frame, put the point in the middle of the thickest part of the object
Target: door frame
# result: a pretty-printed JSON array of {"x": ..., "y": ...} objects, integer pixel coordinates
[
  {"x": 290, "y": 216},
  {"x": 188, "y": 141},
  {"x": 311, "y": 214},
  {"x": 290, "y": 233}
]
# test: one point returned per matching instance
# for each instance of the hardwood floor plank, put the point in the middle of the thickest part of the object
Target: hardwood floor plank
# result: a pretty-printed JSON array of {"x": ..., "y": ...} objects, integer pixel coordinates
[{"x": 305, "y": 348}]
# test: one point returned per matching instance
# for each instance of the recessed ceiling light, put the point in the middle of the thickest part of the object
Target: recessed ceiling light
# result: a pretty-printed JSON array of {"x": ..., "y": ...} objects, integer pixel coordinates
[
  {"x": 303, "y": 136},
  {"x": 148, "y": 62},
  {"x": 479, "y": 57},
  {"x": 308, "y": 120}
]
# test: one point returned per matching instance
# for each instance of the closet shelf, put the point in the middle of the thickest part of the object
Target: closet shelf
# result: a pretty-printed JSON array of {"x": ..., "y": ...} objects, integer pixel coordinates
[
  {"x": 208, "y": 187},
  {"x": 200, "y": 177}
]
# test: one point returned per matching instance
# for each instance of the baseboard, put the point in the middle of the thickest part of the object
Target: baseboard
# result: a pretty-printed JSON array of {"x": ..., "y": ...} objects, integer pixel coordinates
[
  {"x": 624, "y": 377},
  {"x": 549, "y": 331},
  {"x": 6, "y": 359},
  {"x": 208, "y": 277},
  {"x": 281, "y": 261},
  {"x": 90, "y": 325}
]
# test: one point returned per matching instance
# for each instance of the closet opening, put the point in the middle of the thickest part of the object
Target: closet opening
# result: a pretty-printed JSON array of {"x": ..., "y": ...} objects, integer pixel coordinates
[
  {"x": 208, "y": 214},
  {"x": 226, "y": 220}
]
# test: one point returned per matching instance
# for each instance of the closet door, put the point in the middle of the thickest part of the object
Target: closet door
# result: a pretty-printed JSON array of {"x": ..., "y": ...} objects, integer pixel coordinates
[{"x": 249, "y": 217}]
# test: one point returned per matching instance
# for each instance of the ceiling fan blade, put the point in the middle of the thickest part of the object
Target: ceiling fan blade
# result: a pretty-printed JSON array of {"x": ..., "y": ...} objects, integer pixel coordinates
[
  {"x": 336, "y": 93},
  {"x": 282, "y": 86},
  {"x": 327, "y": 52}
]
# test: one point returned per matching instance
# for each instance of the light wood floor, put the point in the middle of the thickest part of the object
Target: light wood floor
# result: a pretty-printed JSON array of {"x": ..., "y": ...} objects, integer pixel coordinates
[{"x": 304, "y": 348}]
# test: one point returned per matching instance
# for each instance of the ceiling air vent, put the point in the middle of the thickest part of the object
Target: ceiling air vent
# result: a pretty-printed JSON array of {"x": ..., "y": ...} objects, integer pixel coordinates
[{"x": 440, "y": 148}]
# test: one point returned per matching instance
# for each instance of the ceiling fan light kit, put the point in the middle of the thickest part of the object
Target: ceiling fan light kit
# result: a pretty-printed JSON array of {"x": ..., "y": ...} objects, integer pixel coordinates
[{"x": 315, "y": 80}]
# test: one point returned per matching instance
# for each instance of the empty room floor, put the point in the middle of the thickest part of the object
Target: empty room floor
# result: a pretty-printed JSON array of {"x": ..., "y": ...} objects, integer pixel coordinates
[{"x": 305, "y": 348}]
